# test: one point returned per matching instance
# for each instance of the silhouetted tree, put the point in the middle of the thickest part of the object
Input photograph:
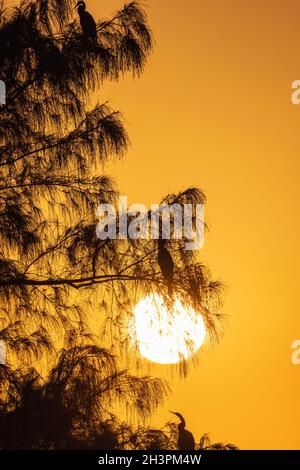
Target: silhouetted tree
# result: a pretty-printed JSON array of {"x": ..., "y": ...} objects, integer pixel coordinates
[
  {"x": 72, "y": 407},
  {"x": 53, "y": 268},
  {"x": 51, "y": 181},
  {"x": 207, "y": 444}
]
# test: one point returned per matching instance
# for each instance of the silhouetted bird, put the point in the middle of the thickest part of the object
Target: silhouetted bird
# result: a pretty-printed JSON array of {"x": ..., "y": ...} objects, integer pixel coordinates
[
  {"x": 186, "y": 439},
  {"x": 50, "y": 59},
  {"x": 87, "y": 22},
  {"x": 166, "y": 264}
]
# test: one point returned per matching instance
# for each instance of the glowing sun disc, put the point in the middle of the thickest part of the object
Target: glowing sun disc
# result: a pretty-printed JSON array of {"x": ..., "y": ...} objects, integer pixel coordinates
[{"x": 164, "y": 336}]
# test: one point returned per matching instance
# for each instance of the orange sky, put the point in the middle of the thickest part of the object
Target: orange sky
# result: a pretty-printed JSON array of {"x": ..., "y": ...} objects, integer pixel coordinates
[{"x": 213, "y": 110}]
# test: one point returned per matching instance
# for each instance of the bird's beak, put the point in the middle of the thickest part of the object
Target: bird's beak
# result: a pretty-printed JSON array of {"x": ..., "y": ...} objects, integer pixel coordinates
[{"x": 172, "y": 412}]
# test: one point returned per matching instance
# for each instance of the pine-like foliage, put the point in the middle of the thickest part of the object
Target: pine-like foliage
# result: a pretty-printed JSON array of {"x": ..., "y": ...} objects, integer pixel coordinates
[
  {"x": 54, "y": 271},
  {"x": 72, "y": 408}
]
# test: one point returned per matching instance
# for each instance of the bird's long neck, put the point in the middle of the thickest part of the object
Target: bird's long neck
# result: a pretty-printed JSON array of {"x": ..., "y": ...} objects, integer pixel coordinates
[
  {"x": 161, "y": 243},
  {"x": 182, "y": 421}
]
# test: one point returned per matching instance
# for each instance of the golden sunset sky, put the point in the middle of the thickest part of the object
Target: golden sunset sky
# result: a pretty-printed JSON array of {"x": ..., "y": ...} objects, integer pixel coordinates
[{"x": 213, "y": 110}]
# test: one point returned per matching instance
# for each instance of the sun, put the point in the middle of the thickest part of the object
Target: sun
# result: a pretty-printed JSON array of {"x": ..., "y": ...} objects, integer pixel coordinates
[{"x": 167, "y": 335}]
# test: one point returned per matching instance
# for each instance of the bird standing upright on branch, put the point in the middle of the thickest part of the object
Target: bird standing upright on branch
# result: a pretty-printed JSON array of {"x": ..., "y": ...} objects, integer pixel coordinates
[
  {"x": 186, "y": 439},
  {"x": 88, "y": 24},
  {"x": 166, "y": 264}
]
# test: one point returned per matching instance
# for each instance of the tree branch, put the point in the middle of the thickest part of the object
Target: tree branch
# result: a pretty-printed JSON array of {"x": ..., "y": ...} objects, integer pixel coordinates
[{"x": 76, "y": 283}]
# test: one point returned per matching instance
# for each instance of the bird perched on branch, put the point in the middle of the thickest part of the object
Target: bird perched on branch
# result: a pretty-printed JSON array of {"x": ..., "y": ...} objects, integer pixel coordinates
[
  {"x": 50, "y": 59},
  {"x": 88, "y": 24},
  {"x": 186, "y": 439},
  {"x": 166, "y": 264}
]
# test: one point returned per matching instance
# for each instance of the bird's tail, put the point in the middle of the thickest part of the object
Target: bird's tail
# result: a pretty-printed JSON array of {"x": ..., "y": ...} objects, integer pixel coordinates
[{"x": 170, "y": 287}]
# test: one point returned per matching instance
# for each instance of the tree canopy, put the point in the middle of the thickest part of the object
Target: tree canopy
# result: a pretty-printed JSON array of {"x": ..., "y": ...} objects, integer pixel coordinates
[{"x": 54, "y": 271}]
